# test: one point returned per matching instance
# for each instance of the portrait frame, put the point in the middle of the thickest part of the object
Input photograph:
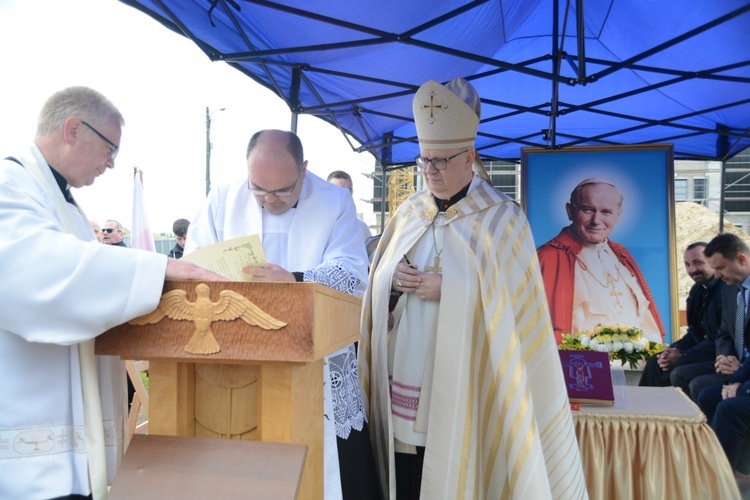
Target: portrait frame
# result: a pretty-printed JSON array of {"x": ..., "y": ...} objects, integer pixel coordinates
[{"x": 645, "y": 176}]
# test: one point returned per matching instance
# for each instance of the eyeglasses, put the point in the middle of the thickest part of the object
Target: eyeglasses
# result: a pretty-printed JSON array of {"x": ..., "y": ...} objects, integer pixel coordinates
[
  {"x": 280, "y": 193},
  {"x": 116, "y": 148},
  {"x": 109, "y": 230},
  {"x": 437, "y": 163}
]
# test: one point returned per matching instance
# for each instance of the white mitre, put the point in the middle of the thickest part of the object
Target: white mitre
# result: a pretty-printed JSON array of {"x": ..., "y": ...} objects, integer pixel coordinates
[
  {"x": 443, "y": 118},
  {"x": 447, "y": 117}
]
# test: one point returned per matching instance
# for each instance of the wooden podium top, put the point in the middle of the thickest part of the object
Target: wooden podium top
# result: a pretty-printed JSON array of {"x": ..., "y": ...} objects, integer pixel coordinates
[
  {"x": 182, "y": 467},
  {"x": 308, "y": 321}
]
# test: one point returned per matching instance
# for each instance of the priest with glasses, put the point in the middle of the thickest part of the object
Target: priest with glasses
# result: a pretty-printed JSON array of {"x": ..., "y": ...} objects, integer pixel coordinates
[
  {"x": 458, "y": 362},
  {"x": 309, "y": 231}
]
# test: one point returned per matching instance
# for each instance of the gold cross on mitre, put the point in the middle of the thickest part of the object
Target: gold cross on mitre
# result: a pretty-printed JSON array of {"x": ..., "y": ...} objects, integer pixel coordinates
[
  {"x": 435, "y": 267},
  {"x": 432, "y": 106}
]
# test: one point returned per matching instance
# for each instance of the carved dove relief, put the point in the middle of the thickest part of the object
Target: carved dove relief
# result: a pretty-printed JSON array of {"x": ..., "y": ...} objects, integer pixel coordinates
[{"x": 230, "y": 306}]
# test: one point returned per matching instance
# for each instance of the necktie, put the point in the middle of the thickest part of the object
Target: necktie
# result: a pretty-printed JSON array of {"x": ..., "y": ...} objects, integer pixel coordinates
[{"x": 739, "y": 324}]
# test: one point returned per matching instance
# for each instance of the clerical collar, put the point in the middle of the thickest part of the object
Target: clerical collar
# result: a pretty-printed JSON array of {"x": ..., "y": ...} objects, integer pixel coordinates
[
  {"x": 444, "y": 205},
  {"x": 295, "y": 205},
  {"x": 63, "y": 185}
]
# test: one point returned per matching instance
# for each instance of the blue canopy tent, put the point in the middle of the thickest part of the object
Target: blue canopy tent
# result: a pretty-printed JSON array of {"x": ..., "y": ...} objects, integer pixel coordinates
[{"x": 550, "y": 73}]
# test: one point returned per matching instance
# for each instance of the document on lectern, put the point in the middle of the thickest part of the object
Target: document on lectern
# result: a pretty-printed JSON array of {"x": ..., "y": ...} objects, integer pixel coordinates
[{"x": 227, "y": 258}]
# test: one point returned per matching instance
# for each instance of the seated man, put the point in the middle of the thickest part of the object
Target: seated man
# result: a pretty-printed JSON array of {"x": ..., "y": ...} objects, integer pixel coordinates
[
  {"x": 589, "y": 279},
  {"x": 695, "y": 353},
  {"x": 727, "y": 403},
  {"x": 729, "y": 256},
  {"x": 731, "y": 423}
]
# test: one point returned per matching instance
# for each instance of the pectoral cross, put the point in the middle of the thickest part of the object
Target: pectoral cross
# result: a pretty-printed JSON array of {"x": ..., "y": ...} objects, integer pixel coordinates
[
  {"x": 435, "y": 267},
  {"x": 616, "y": 295},
  {"x": 611, "y": 280}
]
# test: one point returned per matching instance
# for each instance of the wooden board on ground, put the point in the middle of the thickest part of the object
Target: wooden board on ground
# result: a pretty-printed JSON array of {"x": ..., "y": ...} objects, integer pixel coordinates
[{"x": 179, "y": 467}]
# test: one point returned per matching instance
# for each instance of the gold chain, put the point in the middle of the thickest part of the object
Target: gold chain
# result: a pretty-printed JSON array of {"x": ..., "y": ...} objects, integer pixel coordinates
[
  {"x": 610, "y": 279},
  {"x": 434, "y": 239},
  {"x": 436, "y": 260}
]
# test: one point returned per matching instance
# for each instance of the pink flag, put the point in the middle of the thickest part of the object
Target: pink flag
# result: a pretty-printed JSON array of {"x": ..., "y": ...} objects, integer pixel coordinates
[{"x": 141, "y": 235}]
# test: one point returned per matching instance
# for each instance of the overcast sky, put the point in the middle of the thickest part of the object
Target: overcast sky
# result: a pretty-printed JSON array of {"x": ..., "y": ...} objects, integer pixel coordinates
[{"x": 162, "y": 83}]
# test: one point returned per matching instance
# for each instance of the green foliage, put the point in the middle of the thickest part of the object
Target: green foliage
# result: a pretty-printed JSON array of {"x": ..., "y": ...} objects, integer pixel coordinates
[
  {"x": 571, "y": 343},
  {"x": 632, "y": 358},
  {"x": 623, "y": 343}
]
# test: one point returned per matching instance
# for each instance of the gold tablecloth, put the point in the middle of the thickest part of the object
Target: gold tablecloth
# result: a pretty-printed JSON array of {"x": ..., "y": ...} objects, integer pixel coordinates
[{"x": 657, "y": 447}]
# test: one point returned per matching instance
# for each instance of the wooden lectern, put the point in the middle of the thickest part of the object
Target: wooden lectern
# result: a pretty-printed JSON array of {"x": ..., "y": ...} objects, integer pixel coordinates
[{"x": 262, "y": 384}]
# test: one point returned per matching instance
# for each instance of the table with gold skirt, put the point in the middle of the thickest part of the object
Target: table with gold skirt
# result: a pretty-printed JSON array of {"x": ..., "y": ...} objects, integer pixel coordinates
[{"x": 656, "y": 444}]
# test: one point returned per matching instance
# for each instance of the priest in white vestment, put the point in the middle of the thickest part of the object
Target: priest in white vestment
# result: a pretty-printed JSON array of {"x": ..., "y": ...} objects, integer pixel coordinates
[
  {"x": 458, "y": 361},
  {"x": 63, "y": 410},
  {"x": 309, "y": 231}
]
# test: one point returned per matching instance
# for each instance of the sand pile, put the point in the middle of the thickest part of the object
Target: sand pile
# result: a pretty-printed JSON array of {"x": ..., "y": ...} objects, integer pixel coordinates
[{"x": 696, "y": 223}]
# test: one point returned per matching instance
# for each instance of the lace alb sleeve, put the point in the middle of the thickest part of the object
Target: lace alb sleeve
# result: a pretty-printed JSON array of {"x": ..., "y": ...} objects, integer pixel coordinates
[{"x": 337, "y": 276}]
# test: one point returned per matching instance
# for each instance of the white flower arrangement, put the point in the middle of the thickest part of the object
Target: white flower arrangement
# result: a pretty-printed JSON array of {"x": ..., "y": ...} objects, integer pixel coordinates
[{"x": 625, "y": 343}]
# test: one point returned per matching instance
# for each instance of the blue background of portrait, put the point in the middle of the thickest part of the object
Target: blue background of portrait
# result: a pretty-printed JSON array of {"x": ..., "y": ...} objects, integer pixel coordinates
[{"x": 643, "y": 177}]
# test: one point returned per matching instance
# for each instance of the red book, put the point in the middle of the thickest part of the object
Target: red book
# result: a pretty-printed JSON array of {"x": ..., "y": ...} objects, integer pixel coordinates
[{"x": 587, "y": 377}]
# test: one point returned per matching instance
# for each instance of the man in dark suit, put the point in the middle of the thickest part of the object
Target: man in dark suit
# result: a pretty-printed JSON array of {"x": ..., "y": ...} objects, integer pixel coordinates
[
  {"x": 695, "y": 353},
  {"x": 727, "y": 405},
  {"x": 732, "y": 256}
]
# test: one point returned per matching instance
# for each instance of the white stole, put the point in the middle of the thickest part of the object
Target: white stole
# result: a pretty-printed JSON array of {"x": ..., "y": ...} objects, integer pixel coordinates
[{"x": 92, "y": 407}]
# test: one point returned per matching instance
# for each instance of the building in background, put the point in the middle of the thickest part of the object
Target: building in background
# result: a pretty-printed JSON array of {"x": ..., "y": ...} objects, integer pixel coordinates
[
  {"x": 505, "y": 176},
  {"x": 695, "y": 181},
  {"x": 700, "y": 182}
]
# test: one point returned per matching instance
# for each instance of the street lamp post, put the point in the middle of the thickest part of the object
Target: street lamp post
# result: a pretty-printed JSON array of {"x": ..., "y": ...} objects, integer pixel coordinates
[{"x": 208, "y": 147}]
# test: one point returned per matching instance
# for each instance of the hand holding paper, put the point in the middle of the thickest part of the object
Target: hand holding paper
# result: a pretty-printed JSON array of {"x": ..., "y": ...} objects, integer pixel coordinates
[
  {"x": 229, "y": 257},
  {"x": 271, "y": 272}
]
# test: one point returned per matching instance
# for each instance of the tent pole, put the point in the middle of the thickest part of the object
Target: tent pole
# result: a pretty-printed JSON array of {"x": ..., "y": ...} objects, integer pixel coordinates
[
  {"x": 383, "y": 184},
  {"x": 384, "y": 163},
  {"x": 209, "y": 146},
  {"x": 294, "y": 98},
  {"x": 581, "y": 43},
  {"x": 721, "y": 195},
  {"x": 208, "y": 151},
  {"x": 722, "y": 151},
  {"x": 552, "y": 133}
]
